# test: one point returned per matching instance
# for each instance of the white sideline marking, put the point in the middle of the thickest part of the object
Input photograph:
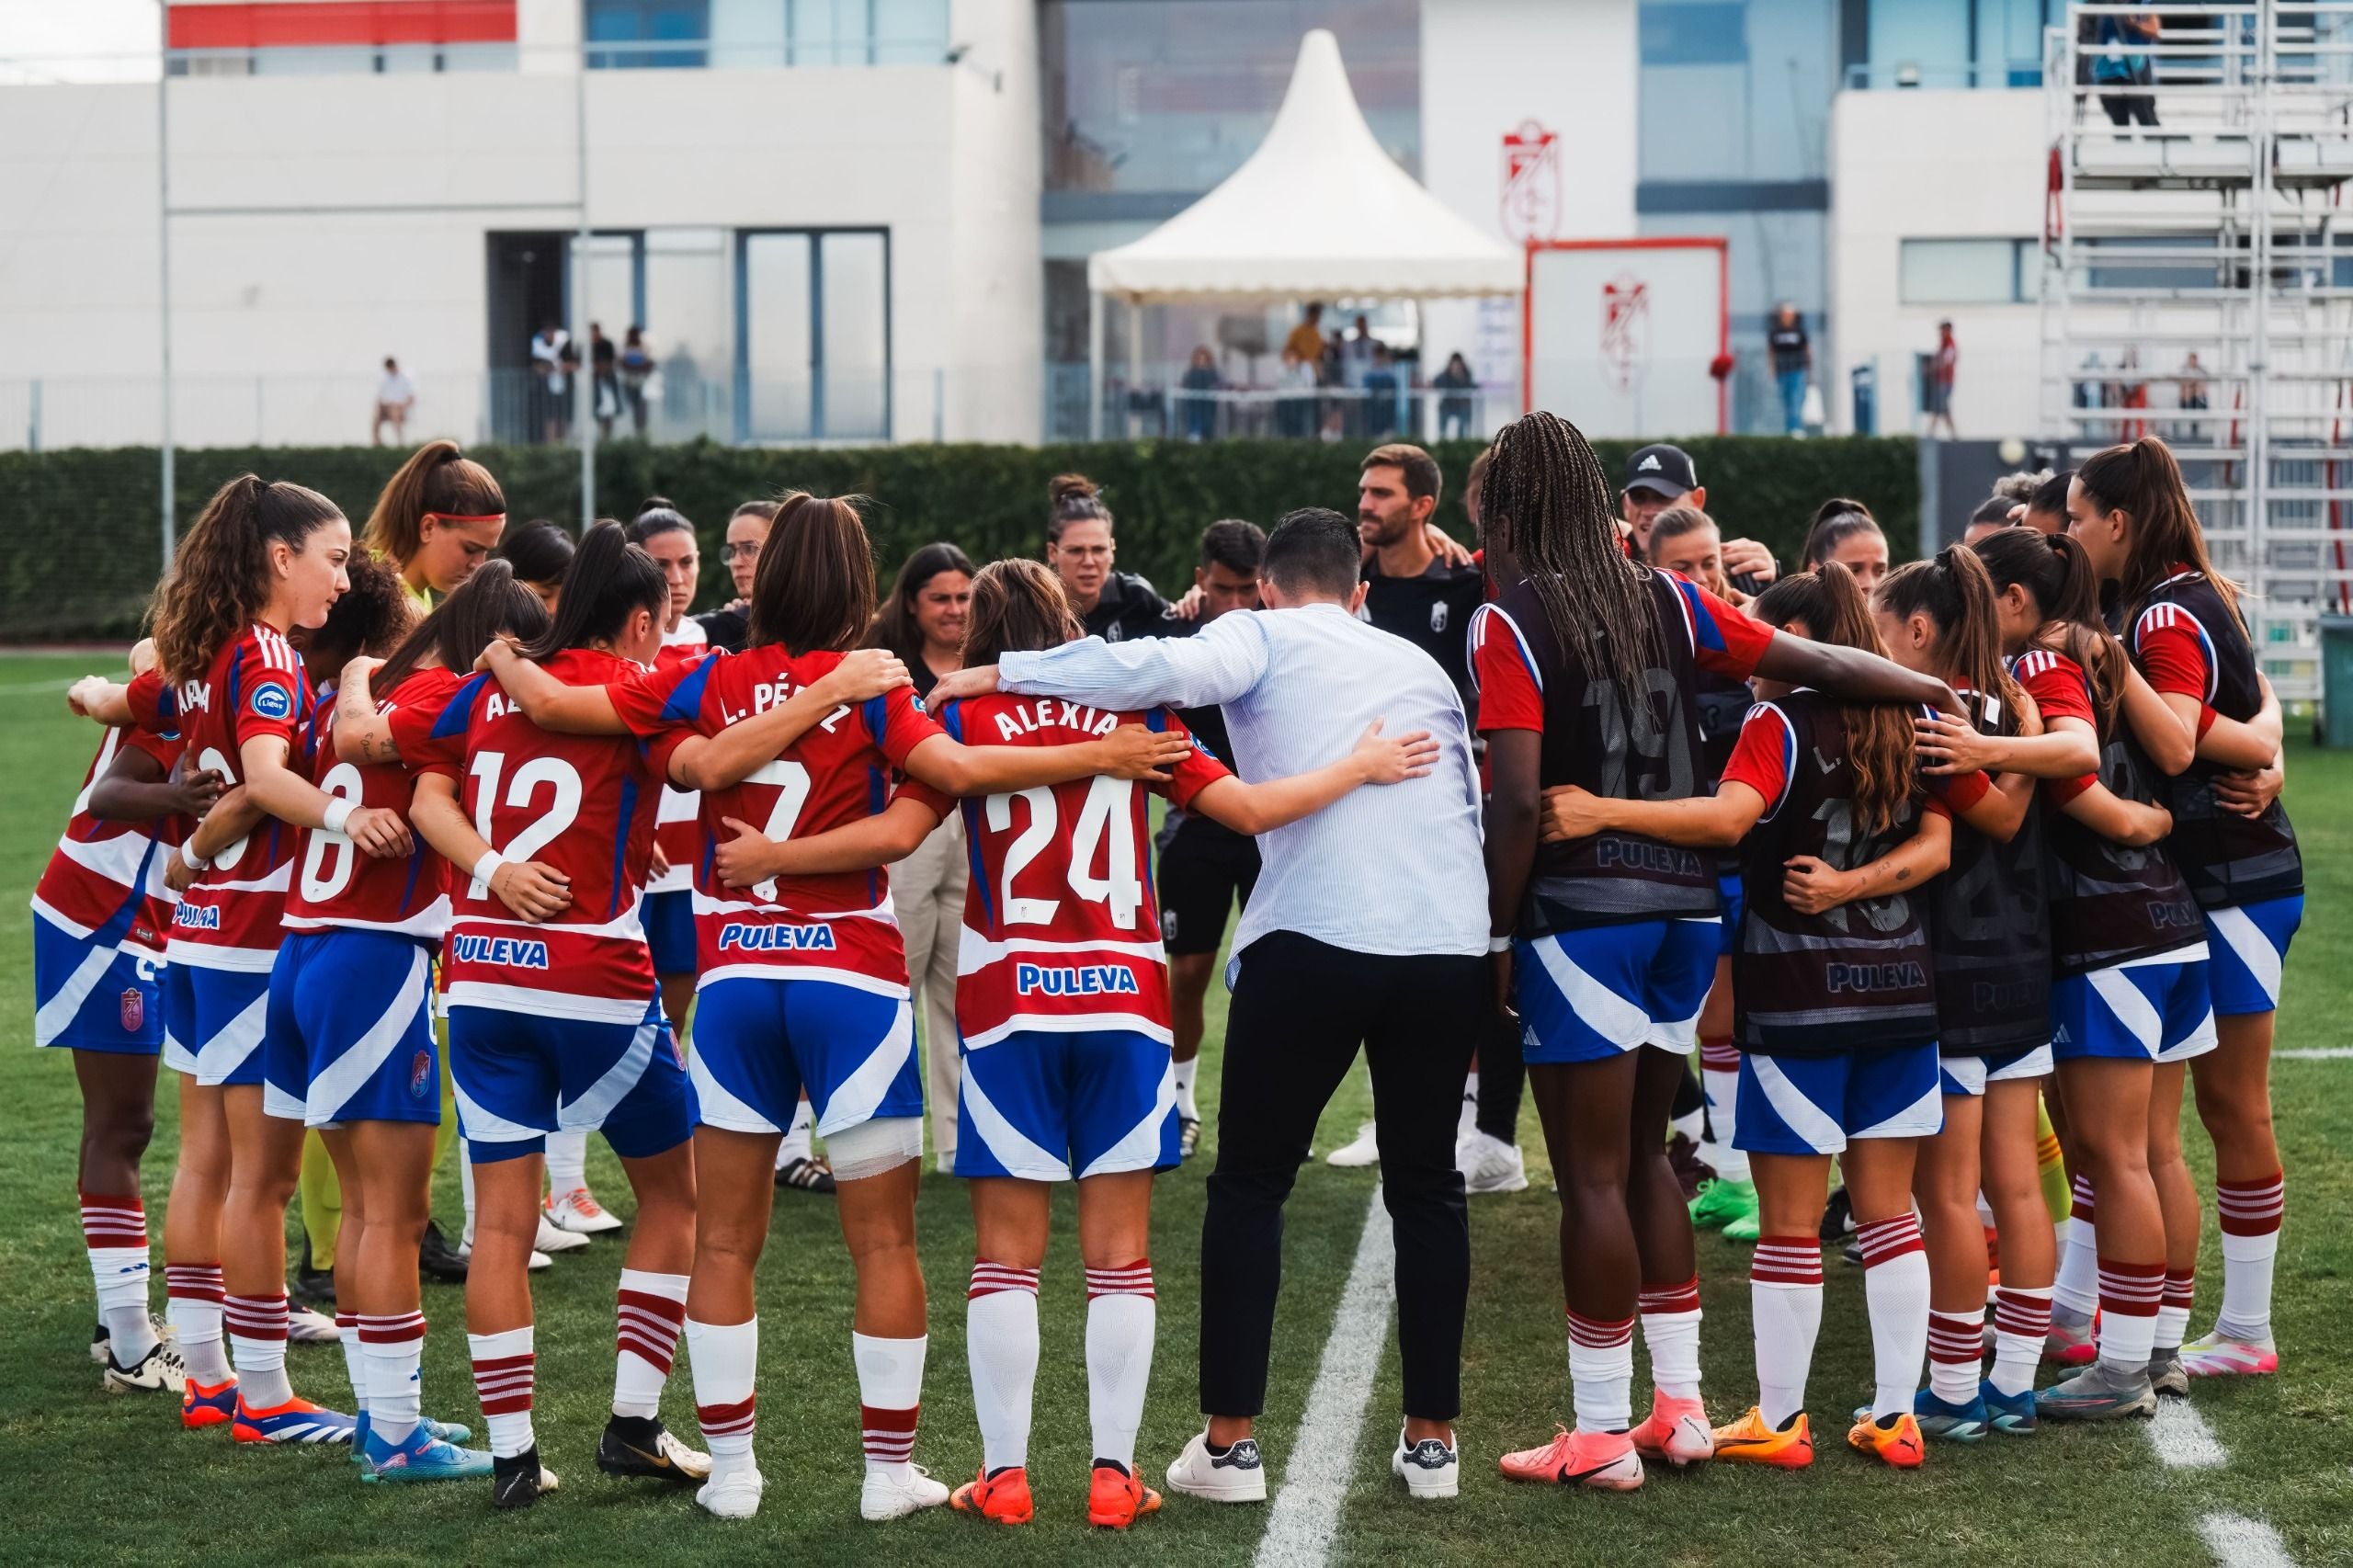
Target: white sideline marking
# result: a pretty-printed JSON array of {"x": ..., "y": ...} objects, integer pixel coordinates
[
  {"x": 1306, "y": 1512},
  {"x": 2182, "y": 1439},
  {"x": 2330, "y": 1053},
  {"x": 2238, "y": 1541},
  {"x": 35, "y": 687}
]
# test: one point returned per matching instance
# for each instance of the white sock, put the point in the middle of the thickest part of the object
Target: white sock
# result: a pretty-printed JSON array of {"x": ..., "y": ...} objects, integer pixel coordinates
[
  {"x": 1721, "y": 1089},
  {"x": 1466, "y": 1120},
  {"x": 724, "y": 1358},
  {"x": 1601, "y": 1373},
  {"x": 2022, "y": 1324},
  {"x": 354, "y": 1359},
  {"x": 1956, "y": 1354},
  {"x": 466, "y": 1188},
  {"x": 505, "y": 1371},
  {"x": 2247, "y": 1285},
  {"x": 1122, "y": 1319},
  {"x": 2173, "y": 1312},
  {"x": 1896, "y": 1288},
  {"x": 115, "y": 1231},
  {"x": 650, "y": 1308},
  {"x": 889, "y": 1388},
  {"x": 567, "y": 1161},
  {"x": 1186, "y": 1071},
  {"x": 1785, "y": 1303},
  {"x": 1671, "y": 1334},
  {"x": 393, "y": 1348},
  {"x": 795, "y": 1144},
  {"x": 1001, "y": 1341},
  {"x": 192, "y": 1305},
  {"x": 2129, "y": 1294},
  {"x": 2074, "y": 1296},
  {"x": 257, "y": 1348}
]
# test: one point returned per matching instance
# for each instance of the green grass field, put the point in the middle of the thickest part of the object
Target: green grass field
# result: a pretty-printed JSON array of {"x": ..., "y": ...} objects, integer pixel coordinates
[{"x": 114, "y": 1480}]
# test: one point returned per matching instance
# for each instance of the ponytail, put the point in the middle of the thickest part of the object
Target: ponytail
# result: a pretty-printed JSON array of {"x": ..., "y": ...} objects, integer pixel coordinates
[
  {"x": 2058, "y": 577},
  {"x": 608, "y": 579},
  {"x": 1953, "y": 589},
  {"x": 436, "y": 478},
  {"x": 1879, "y": 736},
  {"x": 484, "y": 606},
  {"x": 2143, "y": 480},
  {"x": 220, "y": 577}
]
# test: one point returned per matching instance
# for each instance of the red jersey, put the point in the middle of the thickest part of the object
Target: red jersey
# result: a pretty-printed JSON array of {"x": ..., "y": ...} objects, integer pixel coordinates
[
  {"x": 255, "y": 688},
  {"x": 335, "y": 883},
  {"x": 106, "y": 875},
  {"x": 678, "y": 819},
  {"x": 1062, "y": 932},
  {"x": 839, "y": 926},
  {"x": 581, "y": 804}
]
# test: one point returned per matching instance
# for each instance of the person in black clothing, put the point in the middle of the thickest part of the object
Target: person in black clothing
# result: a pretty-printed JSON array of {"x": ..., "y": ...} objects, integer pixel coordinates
[
  {"x": 603, "y": 366},
  {"x": 730, "y": 627},
  {"x": 1411, "y": 592},
  {"x": 1793, "y": 363},
  {"x": 923, "y": 620},
  {"x": 1114, "y": 605}
]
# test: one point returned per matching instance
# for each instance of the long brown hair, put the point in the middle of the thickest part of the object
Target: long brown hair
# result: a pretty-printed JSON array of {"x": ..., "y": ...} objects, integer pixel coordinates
[
  {"x": 1879, "y": 736},
  {"x": 436, "y": 478},
  {"x": 895, "y": 624},
  {"x": 1018, "y": 606},
  {"x": 220, "y": 577},
  {"x": 2058, "y": 577},
  {"x": 814, "y": 587},
  {"x": 2143, "y": 480},
  {"x": 609, "y": 580},
  {"x": 1953, "y": 589}
]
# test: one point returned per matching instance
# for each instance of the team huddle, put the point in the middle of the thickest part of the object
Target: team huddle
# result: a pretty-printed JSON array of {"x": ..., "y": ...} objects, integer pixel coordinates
[{"x": 1926, "y": 864}]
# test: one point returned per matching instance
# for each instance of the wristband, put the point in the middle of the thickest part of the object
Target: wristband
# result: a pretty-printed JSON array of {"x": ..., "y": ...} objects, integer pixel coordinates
[
  {"x": 1499, "y": 944},
  {"x": 191, "y": 859},
  {"x": 338, "y": 812},
  {"x": 489, "y": 863}
]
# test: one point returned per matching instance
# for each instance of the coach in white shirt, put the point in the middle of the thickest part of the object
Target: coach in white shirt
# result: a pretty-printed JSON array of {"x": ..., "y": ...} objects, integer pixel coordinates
[{"x": 1368, "y": 925}]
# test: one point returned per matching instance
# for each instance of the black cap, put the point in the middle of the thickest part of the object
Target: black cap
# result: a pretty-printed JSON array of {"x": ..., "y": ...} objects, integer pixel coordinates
[{"x": 1662, "y": 470}]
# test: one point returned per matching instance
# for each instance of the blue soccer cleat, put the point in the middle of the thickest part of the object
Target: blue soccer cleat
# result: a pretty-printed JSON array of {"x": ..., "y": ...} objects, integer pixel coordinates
[
  {"x": 1947, "y": 1422},
  {"x": 447, "y": 1431},
  {"x": 2012, "y": 1412},
  {"x": 296, "y": 1421},
  {"x": 423, "y": 1458}
]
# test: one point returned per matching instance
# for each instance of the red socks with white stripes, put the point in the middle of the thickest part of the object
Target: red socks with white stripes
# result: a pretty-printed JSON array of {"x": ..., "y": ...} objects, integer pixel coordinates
[
  {"x": 505, "y": 1372},
  {"x": 650, "y": 1309},
  {"x": 1122, "y": 1320},
  {"x": 1001, "y": 1342},
  {"x": 2251, "y": 1212},
  {"x": 724, "y": 1358},
  {"x": 1785, "y": 1302},
  {"x": 114, "y": 1228},
  {"x": 1895, "y": 1287},
  {"x": 193, "y": 1296},
  {"x": 890, "y": 1392}
]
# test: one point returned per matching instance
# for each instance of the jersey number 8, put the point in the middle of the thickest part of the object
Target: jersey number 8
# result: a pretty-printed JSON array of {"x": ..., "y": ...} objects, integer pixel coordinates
[{"x": 318, "y": 883}]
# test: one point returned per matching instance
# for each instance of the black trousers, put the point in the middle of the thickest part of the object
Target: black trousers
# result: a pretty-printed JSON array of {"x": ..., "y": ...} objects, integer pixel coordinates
[{"x": 1300, "y": 1010}]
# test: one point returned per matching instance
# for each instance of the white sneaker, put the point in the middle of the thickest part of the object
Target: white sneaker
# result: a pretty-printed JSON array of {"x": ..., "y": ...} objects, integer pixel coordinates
[
  {"x": 579, "y": 1213},
  {"x": 304, "y": 1326},
  {"x": 162, "y": 1371},
  {"x": 537, "y": 1261},
  {"x": 1490, "y": 1164},
  {"x": 733, "y": 1494},
  {"x": 1429, "y": 1468},
  {"x": 1238, "y": 1475},
  {"x": 1364, "y": 1150},
  {"x": 552, "y": 1239},
  {"x": 884, "y": 1497}
]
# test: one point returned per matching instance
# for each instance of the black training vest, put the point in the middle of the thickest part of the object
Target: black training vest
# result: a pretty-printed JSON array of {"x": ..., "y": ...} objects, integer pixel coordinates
[{"x": 1990, "y": 928}]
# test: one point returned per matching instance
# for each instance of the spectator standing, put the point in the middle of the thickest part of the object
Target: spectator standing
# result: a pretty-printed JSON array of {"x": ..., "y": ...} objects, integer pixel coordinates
[
  {"x": 551, "y": 359},
  {"x": 2127, "y": 71},
  {"x": 1942, "y": 364},
  {"x": 1455, "y": 414},
  {"x": 2192, "y": 396},
  {"x": 1381, "y": 392},
  {"x": 1114, "y": 605},
  {"x": 1792, "y": 365},
  {"x": 395, "y": 396},
  {"x": 636, "y": 369},
  {"x": 1662, "y": 475},
  {"x": 605, "y": 391},
  {"x": 1199, "y": 411},
  {"x": 1306, "y": 340},
  {"x": 1295, "y": 407}
]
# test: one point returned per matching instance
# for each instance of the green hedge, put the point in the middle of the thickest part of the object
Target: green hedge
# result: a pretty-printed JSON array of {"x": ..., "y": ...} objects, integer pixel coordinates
[{"x": 82, "y": 527}]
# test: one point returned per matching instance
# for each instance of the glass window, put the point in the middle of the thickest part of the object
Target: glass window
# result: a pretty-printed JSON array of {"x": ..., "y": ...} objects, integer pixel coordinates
[
  {"x": 854, "y": 307},
  {"x": 777, "y": 350},
  {"x": 1962, "y": 272},
  {"x": 1920, "y": 43},
  {"x": 813, "y": 347},
  {"x": 668, "y": 22},
  {"x": 1735, "y": 91},
  {"x": 687, "y": 329},
  {"x": 748, "y": 32},
  {"x": 910, "y": 32}
]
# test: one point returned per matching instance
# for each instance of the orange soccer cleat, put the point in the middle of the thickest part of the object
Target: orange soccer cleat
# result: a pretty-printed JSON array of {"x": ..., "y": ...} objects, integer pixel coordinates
[
  {"x": 1897, "y": 1439},
  {"x": 1753, "y": 1440},
  {"x": 1001, "y": 1498},
  {"x": 1116, "y": 1499}
]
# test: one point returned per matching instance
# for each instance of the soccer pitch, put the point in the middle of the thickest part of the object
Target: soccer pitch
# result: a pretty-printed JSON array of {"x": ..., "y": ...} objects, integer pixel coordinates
[{"x": 2253, "y": 1471}]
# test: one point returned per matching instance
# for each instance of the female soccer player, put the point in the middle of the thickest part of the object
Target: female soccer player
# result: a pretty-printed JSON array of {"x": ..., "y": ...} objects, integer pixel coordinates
[
  {"x": 1605, "y": 945},
  {"x": 438, "y": 518},
  {"x": 1845, "y": 532},
  {"x": 539, "y": 552},
  {"x": 813, "y": 965},
  {"x": 2130, "y": 510},
  {"x": 1064, "y": 1027}
]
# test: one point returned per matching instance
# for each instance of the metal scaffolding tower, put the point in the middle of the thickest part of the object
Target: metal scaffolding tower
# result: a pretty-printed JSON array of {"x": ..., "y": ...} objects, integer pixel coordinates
[{"x": 2198, "y": 282}]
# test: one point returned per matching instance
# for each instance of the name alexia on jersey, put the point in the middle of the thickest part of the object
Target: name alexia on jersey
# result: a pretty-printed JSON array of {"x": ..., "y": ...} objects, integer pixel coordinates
[{"x": 1052, "y": 713}]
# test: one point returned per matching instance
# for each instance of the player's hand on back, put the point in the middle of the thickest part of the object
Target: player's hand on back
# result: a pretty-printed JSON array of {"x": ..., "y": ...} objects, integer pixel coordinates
[
  {"x": 1570, "y": 813},
  {"x": 741, "y": 859},
  {"x": 194, "y": 791},
  {"x": 1810, "y": 885},
  {"x": 1134, "y": 752},
  {"x": 1947, "y": 744},
  {"x": 379, "y": 832},
  {"x": 976, "y": 680},
  {"x": 2250, "y": 794},
  {"x": 1393, "y": 760},
  {"x": 1449, "y": 551},
  {"x": 1747, "y": 557},
  {"x": 864, "y": 673},
  {"x": 534, "y": 892}
]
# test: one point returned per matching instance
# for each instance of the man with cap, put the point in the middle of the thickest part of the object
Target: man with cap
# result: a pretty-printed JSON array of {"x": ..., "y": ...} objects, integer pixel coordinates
[{"x": 1661, "y": 476}]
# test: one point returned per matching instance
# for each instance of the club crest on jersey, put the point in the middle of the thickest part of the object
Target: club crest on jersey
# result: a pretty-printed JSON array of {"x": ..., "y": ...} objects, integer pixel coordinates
[
  {"x": 197, "y": 916},
  {"x": 1074, "y": 979},
  {"x": 1438, "y": 615},
  {"x": 134, "y": 1009},
  {"x": 750, "y": 938},
  {"x": 271, "y": 702},
  {"x": 420, "y": 1074},
  {"x": 1905, "y": 976},
  {"x": 1031, "y": 717},
  {"x": 512, "y": 952}
]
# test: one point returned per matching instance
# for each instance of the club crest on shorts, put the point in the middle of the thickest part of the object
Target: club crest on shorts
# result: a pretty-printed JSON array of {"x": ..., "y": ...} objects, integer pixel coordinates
[
  {"x": 134, "y": 1008},
  {"x": 420, "y": 1074}
]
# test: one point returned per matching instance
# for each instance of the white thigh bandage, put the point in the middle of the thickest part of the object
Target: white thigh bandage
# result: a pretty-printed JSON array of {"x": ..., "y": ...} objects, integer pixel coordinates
[{"x": 875, "y": 1146}]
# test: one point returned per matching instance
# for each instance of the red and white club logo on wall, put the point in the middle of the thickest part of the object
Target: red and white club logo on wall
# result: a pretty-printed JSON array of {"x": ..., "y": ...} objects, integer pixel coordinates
[
  {"x": 1625, "y": 330},
  {"x": 1531, "y": 204}
]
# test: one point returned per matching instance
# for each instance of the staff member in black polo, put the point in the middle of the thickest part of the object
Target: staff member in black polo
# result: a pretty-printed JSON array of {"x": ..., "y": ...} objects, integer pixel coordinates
[{"x": 1114, "y": 605}]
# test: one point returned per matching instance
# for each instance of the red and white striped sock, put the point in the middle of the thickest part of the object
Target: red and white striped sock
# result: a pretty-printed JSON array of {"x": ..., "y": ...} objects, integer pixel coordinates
[
  {"x": 2173, "y": 1311},
  {"x": 2075, "y": 1295},
  {"x": 2022, "y": 1324},
  {"x": 256, "y": 1328},
  {"x": 1001, "y": 1342},
  {"x": 1785, "y": 1303},
  {"x": 650, "y": 1309},
  {"x": 1670, "y": 1317},
  {"x": 1720, "y": 1082},
  {"x": 114, "y": 1228},
  {"x": 392, "y": 1346},
  {"x": 1122, "y": 1322},
  {"x": 192, "y": 1300},
  {"x": 355, "y": 1357},
  {"x": 505, "y": 1369},
  {"x": 1956, "y": 1355},
  {"x": 890, "y": 1394},
  {"x": 2129, "y": 1297},
  {"x": 724, "y": 1359},
  {"x": 1896, "y": 1288},
  {"x": 1601, "y": 1372},
  {"x": 2251, "y": 1212}
]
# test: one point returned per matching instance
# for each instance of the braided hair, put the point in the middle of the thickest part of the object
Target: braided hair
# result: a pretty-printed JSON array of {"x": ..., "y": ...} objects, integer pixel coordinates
[{"x": 1547, "y": 502}]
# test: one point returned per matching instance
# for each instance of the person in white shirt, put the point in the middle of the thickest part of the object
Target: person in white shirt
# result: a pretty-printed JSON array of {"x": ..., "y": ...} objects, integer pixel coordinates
[{"x": 395, "y": 396}]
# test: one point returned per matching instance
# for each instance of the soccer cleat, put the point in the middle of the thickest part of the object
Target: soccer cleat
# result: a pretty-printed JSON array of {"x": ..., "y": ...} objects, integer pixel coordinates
[
  {"x": 1944, "y": 1421},
  {"x": 1116, "y": 1499},
  {"x": 1490, "y": 1164},
  {"x": 304, "y": 1325},
  {"x": 552, "y": 1239},
  {"x": 296, "y": 1421},
  {"x": 1746, "y": 1229},
  {"x": 2012, "y": 1412},
  {"x": 2065, "y": 1346},
  {"x": 1894, "y": 1438},
  {"x": 1721, "y": 1201},
  {"x": 437, "y": 1259},
  {"x": 518, "y": 1482},
  {"x": 1604, "y": 1460},
  {"x": 1362, "y": 1150},
  {"x": 1838, "y": 1217},
  {"x": 1751, "y": 1440},
  {"x": 214, "y": 1406},
  {"x": 2100, "y": 1392},
  {"x": 1676, "y": 1430},
  {"x": 102, "y": 1338},
  {"x": 1237, "y": 1475},
  {"x": 159, "y": 1371},
  {"x": 642, "y": 1446},
  {"x": 579, "y": 1213},
  {"x": 1002, "y": 1499},
  {"x": 803, "y": 1174},
  {"x": 423, "y": 1457},
  {"x": 452, "y": 1432},
  {"x": 886, "y": 1497},
  {"x": 1428, "y": 1468},
  {"x": 2218, "y": 1354},
  {"x": 1690, "y": 1166},
  {"x": 734, "y": 1495},
  {"x": 2167, "y": 1375},
  {"x": 1189, "y": 1136}
]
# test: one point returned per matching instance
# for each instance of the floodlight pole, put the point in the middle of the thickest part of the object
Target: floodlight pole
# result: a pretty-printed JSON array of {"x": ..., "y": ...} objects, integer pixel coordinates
[
  {"x": 584, "y": 390},
  {"x": 164, "y": 257}
]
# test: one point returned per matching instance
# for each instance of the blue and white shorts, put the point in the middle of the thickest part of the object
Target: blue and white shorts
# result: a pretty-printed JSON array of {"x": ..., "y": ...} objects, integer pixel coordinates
[
  {"x": 1047, "y": 1105},
  {"x": 350, "y": 1032},
  {"x": 1969, "y": 1075},
  {"x": 1815, "y": 1105},
  {"x": 2153, "y": 1009},
  {"x": 521, "y": 1076},
  {"x": 759, "y": 1042},
  {"x": 90, "y": 995},
  {"x": 1590, "y": 994},
  {"x": 1735, "y": 900},
  {"x": 213, "y": 1022},
  {"x": 2249, "y": 946},
  {"x": 670, "y": 931}
]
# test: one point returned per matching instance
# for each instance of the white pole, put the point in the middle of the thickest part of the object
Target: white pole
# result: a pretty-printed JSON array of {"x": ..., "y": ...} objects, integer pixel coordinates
[
  {"x": 163, "y": 258},
  {"x": 583, "y": 387},
  {"x": 1094, "y": 365},
  {"x": 1135, "y": 371}
]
